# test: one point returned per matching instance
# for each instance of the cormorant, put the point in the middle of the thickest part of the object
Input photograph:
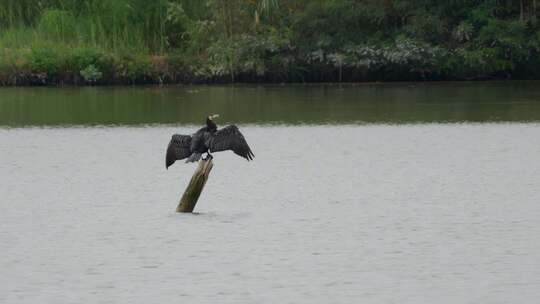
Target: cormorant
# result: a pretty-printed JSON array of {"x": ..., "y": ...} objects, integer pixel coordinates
[{"x": 205, "y": 140}]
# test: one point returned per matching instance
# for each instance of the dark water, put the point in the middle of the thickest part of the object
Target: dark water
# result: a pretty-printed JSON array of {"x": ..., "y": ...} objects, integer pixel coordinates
[
  {"x": 328, "y": 212},
  {"x": 313, "y": 104}
]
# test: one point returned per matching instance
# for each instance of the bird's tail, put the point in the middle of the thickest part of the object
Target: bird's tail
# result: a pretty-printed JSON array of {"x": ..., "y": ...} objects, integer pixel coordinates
[{"x": 194, "y": 157}]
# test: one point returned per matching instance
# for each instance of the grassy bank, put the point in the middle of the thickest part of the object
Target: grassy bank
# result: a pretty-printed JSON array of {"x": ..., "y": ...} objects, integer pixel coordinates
[
  {"x": 89, "y": 42},
  {"x": 47, "y": 64}
]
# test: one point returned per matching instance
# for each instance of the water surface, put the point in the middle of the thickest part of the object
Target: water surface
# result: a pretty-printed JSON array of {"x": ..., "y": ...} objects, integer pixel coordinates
[
  {"x": 313, "y": 104},
  {"x": 331, "y": 212}
]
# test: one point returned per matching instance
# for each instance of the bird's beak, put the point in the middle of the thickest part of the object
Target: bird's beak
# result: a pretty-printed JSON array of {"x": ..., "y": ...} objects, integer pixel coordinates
[{"x": 214, "y": 116}]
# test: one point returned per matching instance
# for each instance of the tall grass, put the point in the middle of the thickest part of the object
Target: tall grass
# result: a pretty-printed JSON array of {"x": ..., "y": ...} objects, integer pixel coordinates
[
  {"x": 18, "y": 12},
  {"x": 56, "y": 41},
  {"x": 116, "y": 25}
]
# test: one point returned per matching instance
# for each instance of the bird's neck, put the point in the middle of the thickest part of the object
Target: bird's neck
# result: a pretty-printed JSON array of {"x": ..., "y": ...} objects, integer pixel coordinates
[{"x": 211, "y": 125}]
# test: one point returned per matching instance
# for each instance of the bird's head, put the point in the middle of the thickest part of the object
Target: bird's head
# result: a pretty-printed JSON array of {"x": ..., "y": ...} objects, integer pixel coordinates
[
  {"x": 213, "y": 116},
  {"x": 210, "y": 122}
]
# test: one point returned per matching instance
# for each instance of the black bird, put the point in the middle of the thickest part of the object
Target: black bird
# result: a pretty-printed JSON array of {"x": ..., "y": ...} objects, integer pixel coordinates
[{"x": 205, "y": 140}]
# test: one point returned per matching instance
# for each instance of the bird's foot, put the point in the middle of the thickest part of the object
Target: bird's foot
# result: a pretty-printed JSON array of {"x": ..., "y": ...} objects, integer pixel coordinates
[{"x": 208, "y": 156}]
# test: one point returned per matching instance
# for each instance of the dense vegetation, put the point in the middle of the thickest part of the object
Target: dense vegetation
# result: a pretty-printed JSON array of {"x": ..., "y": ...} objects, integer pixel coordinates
[{"x": 166, "y": 41}]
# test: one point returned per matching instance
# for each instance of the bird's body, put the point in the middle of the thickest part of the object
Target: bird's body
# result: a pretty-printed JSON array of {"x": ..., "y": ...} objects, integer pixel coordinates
[{"x": 205, "y": 140}]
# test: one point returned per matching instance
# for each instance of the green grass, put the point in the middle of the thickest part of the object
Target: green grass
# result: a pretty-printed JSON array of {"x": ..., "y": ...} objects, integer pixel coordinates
[
  {"x": 98, "y": 41},
  {"x": 16, "y": 38}
]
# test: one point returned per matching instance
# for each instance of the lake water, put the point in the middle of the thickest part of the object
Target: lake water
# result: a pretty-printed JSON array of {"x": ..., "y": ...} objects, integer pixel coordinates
[
  {"x": 293, "y": 104},
  {"x": 358, "y": 194}
]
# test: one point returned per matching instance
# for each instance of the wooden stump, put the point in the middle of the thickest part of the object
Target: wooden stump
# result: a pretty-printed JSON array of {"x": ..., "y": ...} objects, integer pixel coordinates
[{"x": 195, "y": 187}]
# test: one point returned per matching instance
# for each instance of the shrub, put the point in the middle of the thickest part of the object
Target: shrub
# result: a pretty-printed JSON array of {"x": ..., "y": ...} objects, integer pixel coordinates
[
  {"x": 134, "y": 68},
  {"x": 45, "y": 59},
  {"x": 82, "y": 57},
  {"x": 91, "y": 74},
  {"x": 188, "y": 68},
  {"x": 91, "y": 63}
]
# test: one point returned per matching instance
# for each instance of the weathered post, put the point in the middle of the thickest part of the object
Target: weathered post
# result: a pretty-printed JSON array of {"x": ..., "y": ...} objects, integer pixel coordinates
[{"x": 195, "y": 187}]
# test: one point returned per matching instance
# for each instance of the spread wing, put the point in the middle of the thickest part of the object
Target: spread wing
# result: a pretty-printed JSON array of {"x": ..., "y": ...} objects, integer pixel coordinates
[
  {"x": 230, "y": 138},
  {"x": 179, "y": 148}
]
